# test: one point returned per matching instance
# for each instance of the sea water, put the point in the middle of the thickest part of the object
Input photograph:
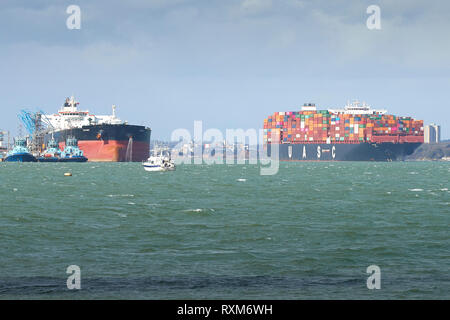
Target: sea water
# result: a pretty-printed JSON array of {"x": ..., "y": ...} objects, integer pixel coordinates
[{"x": 225, "y": 231}]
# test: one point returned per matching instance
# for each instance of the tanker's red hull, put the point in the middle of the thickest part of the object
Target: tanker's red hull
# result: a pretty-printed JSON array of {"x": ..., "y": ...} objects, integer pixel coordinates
[{"x": 113, "y": 151}]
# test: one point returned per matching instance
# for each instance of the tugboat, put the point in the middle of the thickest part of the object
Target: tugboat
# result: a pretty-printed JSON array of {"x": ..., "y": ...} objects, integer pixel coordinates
[
  {"x": 52, "y": 153},
  {"x": 20, "y": 153},
  {"x": 71, "y": 152}
]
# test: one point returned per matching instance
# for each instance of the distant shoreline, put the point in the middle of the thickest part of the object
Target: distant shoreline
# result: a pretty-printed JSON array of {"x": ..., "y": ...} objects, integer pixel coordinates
[{"x": 432, "y": 151}]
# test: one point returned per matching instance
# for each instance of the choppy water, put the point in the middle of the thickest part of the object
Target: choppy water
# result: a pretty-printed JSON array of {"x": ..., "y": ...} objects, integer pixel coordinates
[{"x": 225, "y": 231}]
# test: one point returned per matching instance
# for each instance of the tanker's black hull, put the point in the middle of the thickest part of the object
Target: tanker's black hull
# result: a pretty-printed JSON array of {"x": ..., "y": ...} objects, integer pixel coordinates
[
  {"x": 345, "y": 152},
  {"x": 114, "y": 132}
]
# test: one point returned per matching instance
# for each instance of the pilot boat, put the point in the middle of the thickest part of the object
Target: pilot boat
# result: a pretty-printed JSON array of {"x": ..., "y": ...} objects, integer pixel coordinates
[{"x": 158, "y": 164}]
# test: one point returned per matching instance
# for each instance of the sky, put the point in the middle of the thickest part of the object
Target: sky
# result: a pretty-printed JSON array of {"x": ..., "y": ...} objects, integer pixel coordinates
[{"x": 229, "y": 63}]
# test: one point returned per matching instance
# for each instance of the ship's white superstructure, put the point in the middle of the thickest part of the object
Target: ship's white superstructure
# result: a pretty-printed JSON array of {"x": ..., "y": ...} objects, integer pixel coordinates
[
  {"x": 69, "y": 117},
  {"x": 357, "y": 108},
  {"x": 309, "y": 107},
  {"x": 350, "y": 108}
]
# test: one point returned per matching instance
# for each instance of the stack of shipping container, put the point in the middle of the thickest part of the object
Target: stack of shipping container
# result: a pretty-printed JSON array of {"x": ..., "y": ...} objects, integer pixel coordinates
[{"x": 325, "y": 127}]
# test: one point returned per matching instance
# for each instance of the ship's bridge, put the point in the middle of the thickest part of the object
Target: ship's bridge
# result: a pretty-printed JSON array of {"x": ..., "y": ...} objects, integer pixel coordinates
[
  {"x": 357, "y": 108},
  {"x": 309, "y": 107},
  {"x": 70, "y": 117}
]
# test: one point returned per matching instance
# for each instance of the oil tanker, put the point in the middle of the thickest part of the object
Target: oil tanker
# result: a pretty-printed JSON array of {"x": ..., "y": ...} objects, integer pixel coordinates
[
  {"x": 102, "y": 138},
  {"x": 355, "y": 133}
]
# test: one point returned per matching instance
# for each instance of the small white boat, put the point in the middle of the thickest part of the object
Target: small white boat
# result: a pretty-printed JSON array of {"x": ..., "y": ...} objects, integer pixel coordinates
[{"x": 158, "y": 163}]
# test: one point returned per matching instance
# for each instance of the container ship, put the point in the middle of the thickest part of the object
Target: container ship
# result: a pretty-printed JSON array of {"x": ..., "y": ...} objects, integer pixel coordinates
[
  {"x": 355, "y": 133},
  {"x": 102, "y": 138}
]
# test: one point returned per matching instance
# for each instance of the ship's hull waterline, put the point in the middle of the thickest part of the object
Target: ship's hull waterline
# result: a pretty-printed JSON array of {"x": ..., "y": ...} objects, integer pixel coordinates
[
  {"x": 21, "y": 157},
  {"x": 345, "y": 151}
]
